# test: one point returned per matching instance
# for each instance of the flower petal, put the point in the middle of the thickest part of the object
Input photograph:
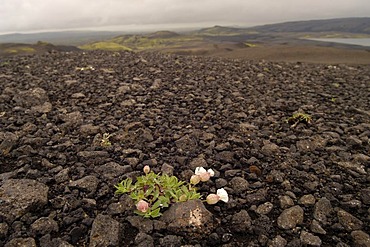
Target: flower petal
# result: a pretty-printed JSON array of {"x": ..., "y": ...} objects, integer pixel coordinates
[
  {"x": 222, "y": 193},
  {"x": 211, "y": 172},
  {"x": 199, "y": 170}
]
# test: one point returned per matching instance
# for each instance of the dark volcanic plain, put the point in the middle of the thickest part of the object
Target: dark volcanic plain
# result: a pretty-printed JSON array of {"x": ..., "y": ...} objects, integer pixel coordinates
[{"x": 306, "y": 185}]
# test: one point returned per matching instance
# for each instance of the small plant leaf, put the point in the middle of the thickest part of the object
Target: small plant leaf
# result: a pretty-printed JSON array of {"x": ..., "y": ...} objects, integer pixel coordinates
[{"x": 155, "y": 213}]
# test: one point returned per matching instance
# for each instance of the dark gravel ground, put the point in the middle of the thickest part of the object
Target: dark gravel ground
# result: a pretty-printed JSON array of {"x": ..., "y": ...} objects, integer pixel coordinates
[{"x": 306, "y": 185}]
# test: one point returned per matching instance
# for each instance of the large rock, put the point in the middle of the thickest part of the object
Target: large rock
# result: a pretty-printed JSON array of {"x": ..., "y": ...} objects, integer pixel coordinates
[
  {"x": 225, "y": 156},
  {"x": 241, "y": 222},
  {"x": 360, "y": 238},
  {"x": 8, "y": 141},
  {"x": 270, "y": 149},
  {"x": 311, "y": 145},
  {"x": 89, "y": 129},
  {"x": 112, "y": 170},
  {"x": 144, "y": 240},
  {"x": 20, "y": 196},
  {"x": 170, "y": 240},
  {"x": 143, "y": 225},
  {"x": 21, "y": 242},
  {"x": 322, "y": 210},
  {"x": 278, "y": 241},
  {"x": 105, "y": 232},
  {"x": 33, "y": 97},
  {"x": 72, "y": 118},
  {"x": 351, "y": 167},
  {"x": 290, "y": 217},
  {"x": 44, "y": 108},
  {"x": 198, "y": 162},
  {"x": 134, "y": 134},
  {"x": 88, "y": 183},
  {"x": 44, "y": 226},
  {"x": 308, "y": 239},
  {"x": 365, "y": 196},
  {"x": 239, "y": 185},
  {"x": 4, "y": 228},
  {"x": 189, "y": 218},
  {"x": 186, "y": 144},
  {"x": 348, "y": 221}
]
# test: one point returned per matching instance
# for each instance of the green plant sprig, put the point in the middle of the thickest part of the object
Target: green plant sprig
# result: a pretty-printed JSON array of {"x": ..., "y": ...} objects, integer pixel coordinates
[
  {"x": 105, "y": 142},
  {"x": 299, "y": 117}
]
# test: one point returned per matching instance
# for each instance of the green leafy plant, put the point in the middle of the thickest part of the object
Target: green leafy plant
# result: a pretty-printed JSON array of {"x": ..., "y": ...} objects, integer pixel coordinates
[
  {"x": 152, "y": 192},
  {"x": 299, "y": 117}
]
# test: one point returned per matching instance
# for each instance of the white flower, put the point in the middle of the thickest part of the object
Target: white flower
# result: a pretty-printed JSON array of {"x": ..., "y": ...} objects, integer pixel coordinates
[
  {"x": 199, "y": 170},
  {"x": 203, "y": 174},
  {"x": 221, "y": 196},
  {"x": 211, "y": 172},
  {"x": 222, "y": 193}
]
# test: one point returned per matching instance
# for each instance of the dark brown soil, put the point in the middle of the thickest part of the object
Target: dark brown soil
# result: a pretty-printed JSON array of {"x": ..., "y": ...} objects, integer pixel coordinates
[{"x": 301, "y": 185}]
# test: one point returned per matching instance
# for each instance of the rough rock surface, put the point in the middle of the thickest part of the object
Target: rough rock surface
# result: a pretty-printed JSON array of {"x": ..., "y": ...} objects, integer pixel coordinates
[
  {"x": 306, "y": 184},
  {"x": 20, "y": 196},
  {"x": 290, "y": 217},
  {"x": 105, "y": 232},
  {"x": 189, "y": 218}
]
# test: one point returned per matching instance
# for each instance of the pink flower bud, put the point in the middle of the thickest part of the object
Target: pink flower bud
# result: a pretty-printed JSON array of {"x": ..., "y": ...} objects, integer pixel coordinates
[
  {"x": 212, "y": 198},
  {"x": 195, "y": 179},
  {"x": 146, "y": 169},
  {"x": 142, "y": 206}
]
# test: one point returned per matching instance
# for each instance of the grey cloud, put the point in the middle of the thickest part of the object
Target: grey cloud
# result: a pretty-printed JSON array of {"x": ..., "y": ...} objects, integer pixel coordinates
[{"x": 23, "y": 15}]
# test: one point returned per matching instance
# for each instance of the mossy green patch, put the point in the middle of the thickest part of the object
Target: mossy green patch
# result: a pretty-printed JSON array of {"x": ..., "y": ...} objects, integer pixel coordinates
[
  {"x": 249, "y": 44},
  {"x": 107, "y": 46},
  {"x": 22, "y": 49},
  {"x": 141, "y": 42}
]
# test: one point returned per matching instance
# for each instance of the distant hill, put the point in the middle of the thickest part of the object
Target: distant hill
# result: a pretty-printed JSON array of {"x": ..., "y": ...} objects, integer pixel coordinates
[
  {"x": 202, "y": 41},
  {"x": 220, "y": 31},
  {"x": 345, "y": 25},
  {"x": 162, "y": 35},
  {"x": 140, "y": 42},
  {"x": 342, "y": 25},
  {"x": 10, "y": 49},
  {"x": 59, "y": 38}
]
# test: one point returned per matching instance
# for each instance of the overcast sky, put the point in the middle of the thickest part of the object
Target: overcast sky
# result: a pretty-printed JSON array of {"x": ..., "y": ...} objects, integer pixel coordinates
[{"x": 32, "y": 15}]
